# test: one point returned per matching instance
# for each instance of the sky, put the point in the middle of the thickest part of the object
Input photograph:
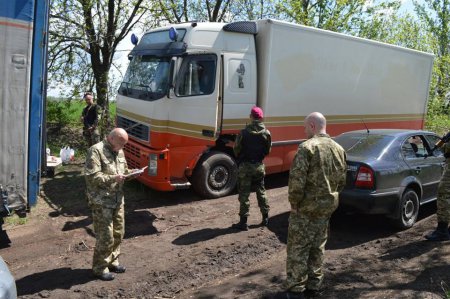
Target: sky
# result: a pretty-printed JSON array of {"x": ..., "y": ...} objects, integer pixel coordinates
[{"x": 407, "y": 5}]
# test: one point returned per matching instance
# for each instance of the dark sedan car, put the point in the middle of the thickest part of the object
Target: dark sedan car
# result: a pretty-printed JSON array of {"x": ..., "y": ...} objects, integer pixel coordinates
[{"x": 391, "y": 172}]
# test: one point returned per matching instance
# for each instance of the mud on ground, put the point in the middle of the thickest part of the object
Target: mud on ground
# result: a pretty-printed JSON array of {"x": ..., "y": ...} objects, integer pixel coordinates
[{"x": 180, "y": 246}]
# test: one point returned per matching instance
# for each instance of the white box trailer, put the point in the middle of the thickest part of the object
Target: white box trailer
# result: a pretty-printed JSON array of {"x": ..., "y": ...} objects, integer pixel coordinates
[
  {"x": 189, "y": 89},
  {"x": 350, "y": 80}
]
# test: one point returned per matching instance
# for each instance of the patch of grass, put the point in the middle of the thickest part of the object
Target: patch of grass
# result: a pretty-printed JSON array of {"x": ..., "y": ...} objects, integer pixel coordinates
[{"x": 15, "y": 220}]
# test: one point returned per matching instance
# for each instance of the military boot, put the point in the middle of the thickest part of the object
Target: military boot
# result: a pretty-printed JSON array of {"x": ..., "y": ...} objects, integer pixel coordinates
[
  {"x": 265, "y": 220},
  {"x": 440, "y": 234},
  {"x": 242, "y": 224}
]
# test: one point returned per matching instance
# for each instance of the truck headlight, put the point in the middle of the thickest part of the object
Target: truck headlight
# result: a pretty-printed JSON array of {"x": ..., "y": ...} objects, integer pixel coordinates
[{"x": 153, "y": 165}]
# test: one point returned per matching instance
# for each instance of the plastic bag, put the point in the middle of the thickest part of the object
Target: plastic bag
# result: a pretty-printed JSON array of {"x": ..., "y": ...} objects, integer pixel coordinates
[{"x": 67, "y": 154}]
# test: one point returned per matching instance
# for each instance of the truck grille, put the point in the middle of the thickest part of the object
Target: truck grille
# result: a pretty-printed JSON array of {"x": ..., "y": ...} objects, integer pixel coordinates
[
  {"x": 132, "y": 150},
  {"x": 134, "y": 128},
  {"x": 133, "y": 156}
]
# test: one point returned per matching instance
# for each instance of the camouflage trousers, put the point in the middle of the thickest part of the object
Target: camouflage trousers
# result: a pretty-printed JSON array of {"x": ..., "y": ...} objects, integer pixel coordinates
[
  {"x": 109, "y": 231},
  {"x": 91, "y": 137},
  {"x": 252, "y": 175},
  {"x": 305, "y": 252},
  {"x": 443, "y": 197}
]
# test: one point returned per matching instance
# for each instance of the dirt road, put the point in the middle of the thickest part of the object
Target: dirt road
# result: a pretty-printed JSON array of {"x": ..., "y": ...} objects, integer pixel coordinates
[{"x": 180, "y": 246}]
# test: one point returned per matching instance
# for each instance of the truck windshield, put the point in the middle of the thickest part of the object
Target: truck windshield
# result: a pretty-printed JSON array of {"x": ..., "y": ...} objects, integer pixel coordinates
[{"x": 147, "y": 78}]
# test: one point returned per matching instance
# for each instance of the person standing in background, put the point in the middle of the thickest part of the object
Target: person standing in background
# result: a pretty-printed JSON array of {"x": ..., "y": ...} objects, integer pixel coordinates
[
  {"x": 251, "y": 146},
  {"x": 90, "y": 118}
]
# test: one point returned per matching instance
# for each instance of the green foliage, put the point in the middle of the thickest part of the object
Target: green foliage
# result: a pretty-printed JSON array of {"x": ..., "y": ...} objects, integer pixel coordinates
[
  {"x": 437, "y": 119},
  {"x": 64, "y": 112},
  {"x": 345, "y": 16},
  {"x": 61, "y": 113},
  {"x": 64, "y": 126},
  {"x": 435, "y": 15}
]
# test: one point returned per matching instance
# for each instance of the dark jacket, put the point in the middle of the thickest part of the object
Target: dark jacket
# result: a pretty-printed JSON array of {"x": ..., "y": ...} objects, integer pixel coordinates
[{"x": 253, "y": 143}]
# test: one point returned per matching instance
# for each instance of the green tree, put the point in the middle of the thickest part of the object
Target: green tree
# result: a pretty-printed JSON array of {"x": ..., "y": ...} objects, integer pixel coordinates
[
  {"x": 84, "y": 35},
  {"x": 345, "y": 16},
  {"x": 435, "y": 14}
]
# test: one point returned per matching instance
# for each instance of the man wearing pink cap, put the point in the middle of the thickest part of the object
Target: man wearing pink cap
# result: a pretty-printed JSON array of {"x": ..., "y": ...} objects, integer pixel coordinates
[{"x": 251, "y": 146}]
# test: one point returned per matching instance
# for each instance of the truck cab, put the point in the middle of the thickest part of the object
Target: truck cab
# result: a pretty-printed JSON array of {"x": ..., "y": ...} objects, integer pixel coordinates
[{"x": 172, "y": 99}]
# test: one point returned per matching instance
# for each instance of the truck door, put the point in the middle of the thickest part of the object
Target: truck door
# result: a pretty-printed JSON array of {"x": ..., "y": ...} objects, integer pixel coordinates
[
  {"x": 239, "y": 84},
  {"x": 195, "y": 110}
]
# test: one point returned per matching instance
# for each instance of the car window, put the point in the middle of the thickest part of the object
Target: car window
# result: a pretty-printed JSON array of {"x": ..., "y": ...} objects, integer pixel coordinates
[
  {"x": 414, "y": 147},
  {"x": 364, "y": 145},
  {"x": 432, "y": 140},
  {"x": 407, "y": 151}
]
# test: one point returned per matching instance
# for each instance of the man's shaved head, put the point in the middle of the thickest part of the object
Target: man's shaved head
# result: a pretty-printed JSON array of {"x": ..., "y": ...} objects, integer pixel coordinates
[
  {"x": 315, "y": 123},
  {"x": 118, "y": 137}
]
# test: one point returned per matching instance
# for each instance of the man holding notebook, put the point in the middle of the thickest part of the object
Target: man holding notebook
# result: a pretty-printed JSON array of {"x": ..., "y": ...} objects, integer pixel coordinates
[{"x": 105, "y": 172}]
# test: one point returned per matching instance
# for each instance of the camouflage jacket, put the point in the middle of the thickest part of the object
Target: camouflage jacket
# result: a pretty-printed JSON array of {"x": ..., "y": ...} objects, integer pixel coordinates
[
  {"x": 446, "y": 151},
  {"x": 102, "y": 164},
  {"x": 446, "y": 174},
  {"x": 256, "y": 128},
  {"x": 317, "y": 175}
]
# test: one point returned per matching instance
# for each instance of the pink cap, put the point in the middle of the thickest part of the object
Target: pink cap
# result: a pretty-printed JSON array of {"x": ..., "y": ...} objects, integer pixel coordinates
[{"x": 257, "y": 112}]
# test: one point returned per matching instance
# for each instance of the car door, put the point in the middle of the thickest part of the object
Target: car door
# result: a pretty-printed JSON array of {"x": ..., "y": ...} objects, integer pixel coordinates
[{"x": 422, "y": 166}]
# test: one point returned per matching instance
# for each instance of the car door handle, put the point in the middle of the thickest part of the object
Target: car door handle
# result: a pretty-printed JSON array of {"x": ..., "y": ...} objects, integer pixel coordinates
[{"x": 418, "y": 169}]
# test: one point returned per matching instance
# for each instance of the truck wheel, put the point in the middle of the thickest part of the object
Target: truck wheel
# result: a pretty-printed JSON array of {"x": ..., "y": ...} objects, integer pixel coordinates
[
  {"x": 215, "y": 175},
  {"x": 408, "y": 209}
]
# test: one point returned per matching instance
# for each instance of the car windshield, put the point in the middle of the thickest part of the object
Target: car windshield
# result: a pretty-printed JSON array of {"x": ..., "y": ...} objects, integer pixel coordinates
[
  {"x": 364, "y": 145},
  {"x": 147, "y": 78}
]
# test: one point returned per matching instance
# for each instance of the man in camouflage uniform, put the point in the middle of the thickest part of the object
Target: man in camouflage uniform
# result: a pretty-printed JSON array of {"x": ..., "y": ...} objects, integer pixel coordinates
[
  {"x": 316, "y": 177},
  {"x": 105, "y": 171},
  {"x": 251, "y": 146},
  {"x": 443, "y": 197},
  {"x": 90, "y": 117}
]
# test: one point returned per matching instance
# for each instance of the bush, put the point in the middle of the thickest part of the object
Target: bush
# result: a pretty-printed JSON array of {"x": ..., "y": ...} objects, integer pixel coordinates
[
  {"x": 437, "y": 119},
  {"x": 62, "y": 113}
]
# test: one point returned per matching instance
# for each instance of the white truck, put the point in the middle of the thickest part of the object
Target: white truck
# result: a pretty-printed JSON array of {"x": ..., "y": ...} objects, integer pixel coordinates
[
  {"x": 23, "y": 52},
  {"x": 189, "y": 89}
]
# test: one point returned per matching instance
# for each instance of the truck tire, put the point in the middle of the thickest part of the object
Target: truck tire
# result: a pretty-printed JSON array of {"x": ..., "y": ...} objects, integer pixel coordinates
[
  {"x": 215, "y": 175},
  {"x": 408, "y": 209}
]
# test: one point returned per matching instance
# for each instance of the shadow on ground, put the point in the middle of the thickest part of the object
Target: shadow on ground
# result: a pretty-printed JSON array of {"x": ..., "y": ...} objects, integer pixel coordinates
[
  {"x": 203, "y": 235},
  {"x": 348, "y": 230},
  {"x": 63, "y": 278}
]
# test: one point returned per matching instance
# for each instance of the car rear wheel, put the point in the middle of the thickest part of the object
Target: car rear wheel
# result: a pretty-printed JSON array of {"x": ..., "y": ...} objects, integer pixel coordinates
[
  {"x": 215, "y": 175},
  {"x": 408, "y": 209}
]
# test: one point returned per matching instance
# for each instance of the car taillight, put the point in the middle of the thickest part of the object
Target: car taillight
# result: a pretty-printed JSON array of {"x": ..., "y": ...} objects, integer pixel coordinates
[{"x": 364, "y": 178}]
